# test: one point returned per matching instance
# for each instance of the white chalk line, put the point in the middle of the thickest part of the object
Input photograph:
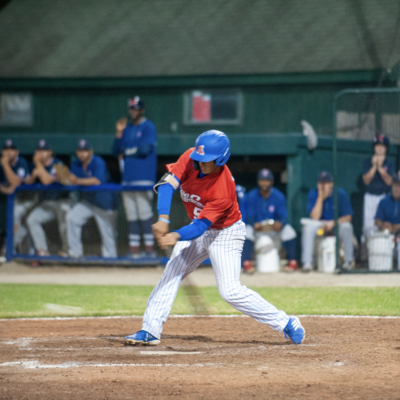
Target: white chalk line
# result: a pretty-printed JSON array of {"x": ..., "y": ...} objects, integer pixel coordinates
[
  {"x": 36, "y": 364},
  {"x": 192, "y": 316}
]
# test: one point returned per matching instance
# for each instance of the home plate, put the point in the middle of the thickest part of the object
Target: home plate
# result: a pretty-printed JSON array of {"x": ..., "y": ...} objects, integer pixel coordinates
[{"x": 168, "y": 353}]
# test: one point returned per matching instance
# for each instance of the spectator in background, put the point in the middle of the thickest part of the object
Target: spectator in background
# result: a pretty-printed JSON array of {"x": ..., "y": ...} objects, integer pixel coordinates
[
  {"x": 14, "y": 170},
  {"x": 377, "y": 177},
  {"x": 388, "y": 213},
  {"x": 136, "y": 142},
  {"x": 247, "y": 251},
  {"x": 321, "y": 208},
  {"x": 54, "y": 205},
  {"x": 267, "y": 213},
  {"x": 91, "y": 170}
]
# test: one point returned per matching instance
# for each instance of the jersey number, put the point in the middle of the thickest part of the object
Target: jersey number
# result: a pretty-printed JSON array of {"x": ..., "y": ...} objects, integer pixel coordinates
[{"x": 197, "y": 211}]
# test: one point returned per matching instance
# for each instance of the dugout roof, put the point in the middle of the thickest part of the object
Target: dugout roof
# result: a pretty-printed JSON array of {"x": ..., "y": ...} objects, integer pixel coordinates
[{"x": 134, "y": 38}]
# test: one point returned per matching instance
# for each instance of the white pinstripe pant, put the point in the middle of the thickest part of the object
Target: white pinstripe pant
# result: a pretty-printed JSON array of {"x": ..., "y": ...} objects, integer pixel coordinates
[{"x": 224, "y": 248}]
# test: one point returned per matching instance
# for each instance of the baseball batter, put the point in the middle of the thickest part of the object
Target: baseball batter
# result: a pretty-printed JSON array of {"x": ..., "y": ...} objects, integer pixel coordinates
[{"x": 217, "y": 232}]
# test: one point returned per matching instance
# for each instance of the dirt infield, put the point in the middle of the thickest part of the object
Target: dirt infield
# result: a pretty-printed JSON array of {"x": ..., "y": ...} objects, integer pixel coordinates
[{"x": 200, "y": 357}]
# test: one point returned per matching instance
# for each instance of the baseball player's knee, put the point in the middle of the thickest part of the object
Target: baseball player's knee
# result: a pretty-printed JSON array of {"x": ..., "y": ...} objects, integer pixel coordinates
[
  {"x": 346, "y": 227},
  {"x": 32, "y": 219},
  {"x": 230, "y": 293},
  {"x": 74, "y": 218}
]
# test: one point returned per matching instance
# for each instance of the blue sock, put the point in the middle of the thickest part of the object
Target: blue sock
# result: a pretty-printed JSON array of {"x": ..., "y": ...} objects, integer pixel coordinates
[
  {"x": 147, "y": 232},
  {"x": 247, "y": 251},
  {"x": 290, "y": 247},
  {"x": 134, "y": 234}
]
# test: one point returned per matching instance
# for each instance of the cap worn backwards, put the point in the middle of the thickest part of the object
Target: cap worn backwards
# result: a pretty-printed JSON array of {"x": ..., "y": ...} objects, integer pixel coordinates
[
  {"x": 266, "y": 174},
  {"x": 212, "y": 145}
]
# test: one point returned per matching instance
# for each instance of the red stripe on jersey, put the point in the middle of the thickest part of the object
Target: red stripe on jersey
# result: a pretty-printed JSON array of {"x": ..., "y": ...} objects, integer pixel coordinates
[{"x": 212, "y": 197}]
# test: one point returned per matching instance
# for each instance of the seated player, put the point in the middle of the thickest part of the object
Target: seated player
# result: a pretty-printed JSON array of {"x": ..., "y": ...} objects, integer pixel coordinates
[
  {"x": 248, "y": 246},
  {"x": 267, "y": 213},
  {"x": 91, "y": 170},
  {"x": 320, "y": 208},
  {"x": 217, "y": 232},
  {"x": 388, "y": 213},
  {"x": 54, "y": 205},
  {"x": 13, "y": 172}
]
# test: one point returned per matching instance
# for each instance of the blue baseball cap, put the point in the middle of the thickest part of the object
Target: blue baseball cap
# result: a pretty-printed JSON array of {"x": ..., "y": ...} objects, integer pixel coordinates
[
  {"x": 380, "y": 138},
  {"x": 9, "y": 144},
  {"x": 325, "y": 177},
  {"x": 84, "y": 145},
  {"x": 43, "y": 145},
  {"x": 265, "y": 174},
  {"x": 135, "y": 103}
]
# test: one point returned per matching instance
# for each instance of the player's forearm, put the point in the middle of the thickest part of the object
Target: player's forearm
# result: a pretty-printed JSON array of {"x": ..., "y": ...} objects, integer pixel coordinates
[
  {"x": 194, "y": 230},
  {"x": 388, "y": 179},
  {"x": 44, "y": 176},
  {"x": 316, "y": 212},
  {"x": 12, "y": 178},
  {"x": 88, "y": 181},
  {"x": 379, "y": 223},
  {"x": 367, "y": 177},
  {"x": 395, "y": 228}
]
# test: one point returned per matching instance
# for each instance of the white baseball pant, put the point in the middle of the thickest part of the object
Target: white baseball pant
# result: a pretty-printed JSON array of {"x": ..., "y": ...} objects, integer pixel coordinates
[
  {"x": 106, "y": 222},
  {"x": 47, "y": 211},
  {"x": 21, "y": 208},
  {"x": 138, "y": 205},
  {"x": 371, "y": 203},
  {"x": 224, "y": 248}
]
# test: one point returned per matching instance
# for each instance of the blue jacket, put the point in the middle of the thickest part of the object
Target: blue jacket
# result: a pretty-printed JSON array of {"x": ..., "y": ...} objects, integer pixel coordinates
[
  {"x": 389, "y": 210},
  {"x": 138, "y": 145},
  {"x": 97, "y": 168},
  {"x": 260, "y": 209},
  {"x": 327, "y": 208}
]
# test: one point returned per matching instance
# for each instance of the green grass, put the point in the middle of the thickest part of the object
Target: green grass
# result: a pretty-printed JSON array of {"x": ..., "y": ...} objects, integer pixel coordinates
[{"x": 20, "y": 300}]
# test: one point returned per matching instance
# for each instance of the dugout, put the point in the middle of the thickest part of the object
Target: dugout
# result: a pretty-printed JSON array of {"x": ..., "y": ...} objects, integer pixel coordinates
[{"x": 295, "y": 167}]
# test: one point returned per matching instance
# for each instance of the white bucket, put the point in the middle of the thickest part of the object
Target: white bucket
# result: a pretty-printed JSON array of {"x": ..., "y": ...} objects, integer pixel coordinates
[
  {"x": 380, "y": 251},
  {"x": 327, "y": 255},
  {"x": 267, "y": 257}
]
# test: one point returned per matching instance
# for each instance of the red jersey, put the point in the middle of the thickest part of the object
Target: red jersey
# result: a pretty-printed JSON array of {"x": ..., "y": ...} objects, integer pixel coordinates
[{"x": 212, "y": 197}]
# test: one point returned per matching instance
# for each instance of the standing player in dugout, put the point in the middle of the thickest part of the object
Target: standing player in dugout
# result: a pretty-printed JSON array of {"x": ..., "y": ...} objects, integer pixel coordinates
[{"x": 217, "y": 232}]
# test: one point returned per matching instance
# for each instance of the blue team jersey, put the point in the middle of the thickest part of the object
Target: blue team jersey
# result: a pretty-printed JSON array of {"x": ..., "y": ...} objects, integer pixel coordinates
[
  {"x": 97, "y": 168},
  {"x": 20, "y": 168},
  {"x": 242, "y": 200},
  {"x": 138, "y": 145},
  {"x": 260, "y": 209},
  {"x": 389, "y": 210},
  {"x": 377, "y": 185},
  {"x": 52, "y": 194},
  {"x": 327, "y": 208}
]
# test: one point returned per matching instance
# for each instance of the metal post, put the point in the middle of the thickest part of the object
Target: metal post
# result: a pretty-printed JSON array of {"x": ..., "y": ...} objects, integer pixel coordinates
[{"x": 10, "y": 227}]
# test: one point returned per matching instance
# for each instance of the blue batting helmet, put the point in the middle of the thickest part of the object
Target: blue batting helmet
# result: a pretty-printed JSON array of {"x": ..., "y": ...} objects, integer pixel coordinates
[{"x": 212, "y": 145}]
